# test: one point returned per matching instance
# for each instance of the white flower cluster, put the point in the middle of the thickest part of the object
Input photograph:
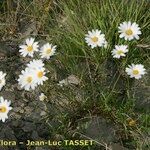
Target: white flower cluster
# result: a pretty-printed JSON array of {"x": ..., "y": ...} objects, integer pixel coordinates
[
  {"x": 32, "y": 76},
  {"x": 4, "y": 104},
  {"x": 128, "y": 31},
  {"x": 34, "y": 73},
  {"x": 30, "y": 46}
]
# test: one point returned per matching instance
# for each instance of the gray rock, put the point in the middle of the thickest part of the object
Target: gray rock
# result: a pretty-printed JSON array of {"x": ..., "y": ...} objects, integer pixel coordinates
[
  {"x": 99, "y": 129},
  {"x": 28, "y": 110},
  {"x": 6, "y": 49},
  {"x": 16, "y": 109},
  {"x": 9, "y": 95},
  {"x": 43, "y": 113},
  {"x": 14, "y": 115},
  {"x": 16, "y": 123},
  {"x": 27, "y": 29},
  {"x": 7, "y": 133},
  {"x": 35, "y": 135},
  {"x": 117, "y": 146},
  {"x": 71, "y": 79},
  {"x": 28, "y": 127}
]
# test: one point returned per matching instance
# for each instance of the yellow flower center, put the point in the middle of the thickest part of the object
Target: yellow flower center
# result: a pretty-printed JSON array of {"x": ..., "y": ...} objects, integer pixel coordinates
[
  {"x": 119, "y": 52},
  {"x": 3, "y": 109},
  {"x": 131, "y": 122},
  {"x": 48, "y": 51},
  {"x": 129, "y": 32},
  {"x": 135, "y": 72},
  {"x": 95, "y": 39},
  {"x": 47, "y": 8},
  {"x": 30, "y": 48},
  {"x": 29, "y": 79},
  {"x": 0, "y": 81},
  {"x": 40, "y": 74}
]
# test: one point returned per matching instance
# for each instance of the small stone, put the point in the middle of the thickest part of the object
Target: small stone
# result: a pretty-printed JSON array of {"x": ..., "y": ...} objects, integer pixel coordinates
[
  {"x": 15, "y": 123},
  {"x": 28, "y": 109},
  {"x": 14, "y": 115},
  {"x": 16, "y": 109},
  {"x": 72, "y": 79},
  {"x": 21, "y": 111},
  {"x": 9, "y": 95},
  {"x": 28, "y": 127},
  {"x": 22, "y": 105},
  {"x": 7, "y": 133},
  {"x": 35, "y": 135},
  {"x": 43, "y": 113}
]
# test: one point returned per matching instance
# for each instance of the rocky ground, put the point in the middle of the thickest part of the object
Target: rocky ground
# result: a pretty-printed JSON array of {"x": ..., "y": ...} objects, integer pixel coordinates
[{"x": 25, "y": 120}]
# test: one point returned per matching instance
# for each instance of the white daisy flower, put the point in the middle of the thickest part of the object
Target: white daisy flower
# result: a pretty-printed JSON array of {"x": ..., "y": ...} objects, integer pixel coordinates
[
  {"x": 2, "y": 80},
  {"x": 135, "y": 71},
  {"x": 47, "y": 51},
  {"x": 29, "y": 47},
  {"x": 95, "y": 38},
  {"x": 27, "y": 80},
  {"x": 42, "y": 97},
  {"x": 35, "y": 64},
  {"x": 119, "y": 51},
  {"x": 40, "y": 75},
  {"x": 129, "y": 30},
  {"x": 4, "y": 109}
]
